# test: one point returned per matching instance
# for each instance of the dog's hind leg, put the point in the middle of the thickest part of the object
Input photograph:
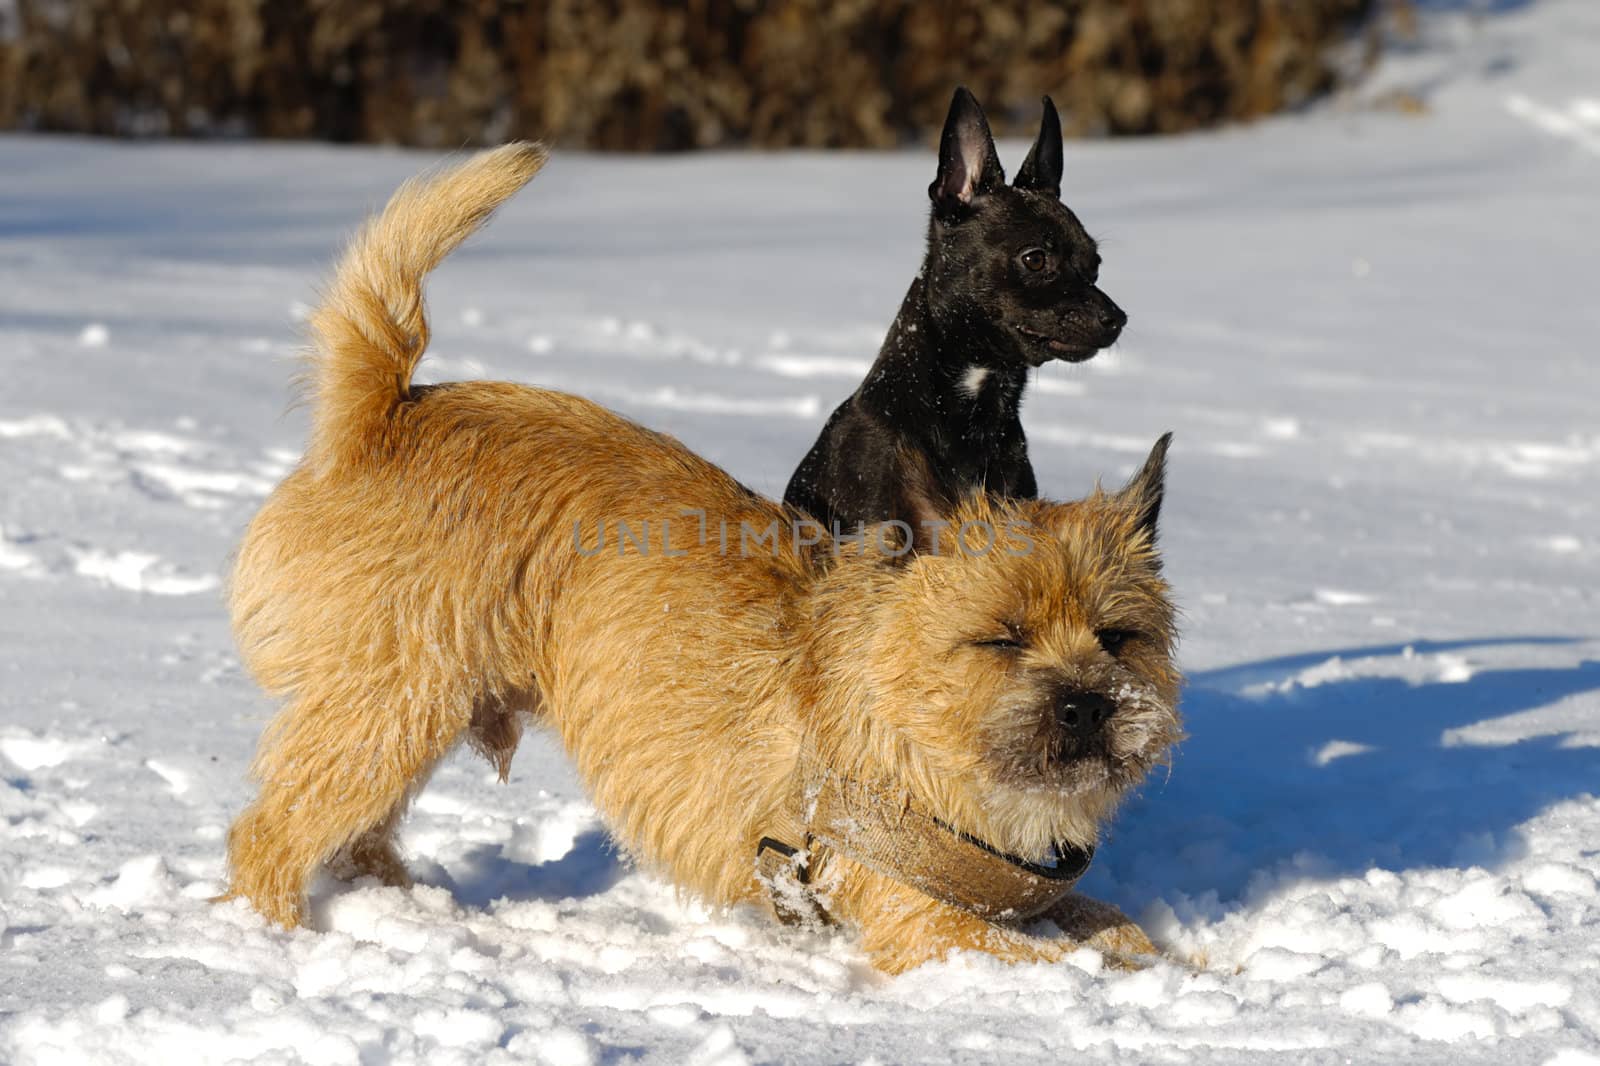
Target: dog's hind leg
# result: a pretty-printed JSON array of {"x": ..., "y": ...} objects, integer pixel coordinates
[
  {"x": 335, "y": 776},
  {"x": 374, "y": 854},
  {"x": 493, "y": 732}
]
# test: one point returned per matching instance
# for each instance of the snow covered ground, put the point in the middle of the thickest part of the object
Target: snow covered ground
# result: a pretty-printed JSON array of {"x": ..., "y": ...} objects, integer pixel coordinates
[{"x": 1373, "y": 333}]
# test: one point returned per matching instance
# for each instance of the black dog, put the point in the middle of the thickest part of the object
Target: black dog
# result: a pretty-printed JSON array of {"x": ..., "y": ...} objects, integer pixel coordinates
[{"x": 1008, "y": 284}]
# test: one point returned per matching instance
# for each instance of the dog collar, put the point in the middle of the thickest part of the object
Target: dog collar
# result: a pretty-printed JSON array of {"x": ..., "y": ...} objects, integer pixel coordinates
[{"x": 880, "y": 829}]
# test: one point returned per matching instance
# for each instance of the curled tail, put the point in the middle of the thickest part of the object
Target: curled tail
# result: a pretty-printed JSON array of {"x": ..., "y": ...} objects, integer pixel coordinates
[{"x": 371, "y": 330}]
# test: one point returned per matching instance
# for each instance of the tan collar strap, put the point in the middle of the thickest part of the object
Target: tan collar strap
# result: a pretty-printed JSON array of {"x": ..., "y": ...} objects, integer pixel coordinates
[{"x": 878, "y": 828}]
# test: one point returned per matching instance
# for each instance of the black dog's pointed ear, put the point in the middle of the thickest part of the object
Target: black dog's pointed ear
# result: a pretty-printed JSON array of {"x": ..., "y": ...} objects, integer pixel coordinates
[
  {"x": 1041, "y": 171},
  {"x": 1143, "y": 493},
  {"x": 968, "y": 163}
]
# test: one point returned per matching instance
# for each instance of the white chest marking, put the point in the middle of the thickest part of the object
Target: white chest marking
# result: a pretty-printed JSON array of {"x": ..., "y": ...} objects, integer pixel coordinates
[{"x": 973, "y": 380}]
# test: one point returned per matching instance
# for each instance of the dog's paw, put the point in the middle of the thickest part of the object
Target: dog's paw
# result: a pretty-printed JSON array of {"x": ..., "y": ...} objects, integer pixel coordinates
[
  {"x": 1124, "y": 963},
  {"x": 1125, "y": 943},
  {"x": 373, "y": 855},
  {"x": 1106, "y": 929}
]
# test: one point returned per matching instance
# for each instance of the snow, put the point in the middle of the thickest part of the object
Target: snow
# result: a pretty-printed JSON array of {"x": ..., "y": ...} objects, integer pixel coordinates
[{"x": 1373, "y": 334}]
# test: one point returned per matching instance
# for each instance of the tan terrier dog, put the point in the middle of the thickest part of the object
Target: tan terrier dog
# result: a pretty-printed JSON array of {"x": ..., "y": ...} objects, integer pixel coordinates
[{"x": 449, "y": 561}]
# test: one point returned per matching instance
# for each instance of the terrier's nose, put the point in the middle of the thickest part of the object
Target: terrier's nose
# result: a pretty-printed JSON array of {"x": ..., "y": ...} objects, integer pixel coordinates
[
  {"x": 1082, "y": 714},
  {"x": 1113, "y": 320}
]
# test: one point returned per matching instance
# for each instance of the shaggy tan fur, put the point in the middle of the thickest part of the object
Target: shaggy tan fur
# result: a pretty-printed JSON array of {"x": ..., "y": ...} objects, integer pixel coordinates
[{"x": 429, "y": 574}]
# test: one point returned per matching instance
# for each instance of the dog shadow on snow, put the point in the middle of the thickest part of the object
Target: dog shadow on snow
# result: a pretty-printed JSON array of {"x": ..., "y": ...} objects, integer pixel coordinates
[
  {"x": 1341, "y": 776},
  {"x": 485, "y": 874}
]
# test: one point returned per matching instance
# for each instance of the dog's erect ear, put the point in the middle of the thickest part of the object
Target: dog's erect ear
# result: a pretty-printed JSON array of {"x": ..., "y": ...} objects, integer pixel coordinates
[
  {"x": 1041, "y": 171},
  {"x": 968, "y": 163},
  {"x": 1143, "y": 494}
]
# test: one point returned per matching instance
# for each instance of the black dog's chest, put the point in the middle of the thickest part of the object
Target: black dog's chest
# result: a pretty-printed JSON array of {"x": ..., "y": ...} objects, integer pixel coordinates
[
  {"x": 987, "y": 452},
  {"x": 853, "y": 473},
  {"x": 978, "y": 415}
]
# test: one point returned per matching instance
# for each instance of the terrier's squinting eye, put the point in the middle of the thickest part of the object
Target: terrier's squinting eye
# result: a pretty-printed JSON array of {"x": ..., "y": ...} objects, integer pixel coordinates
[
  {"x": 1035, "y": 259},
  {"x": 1112, "y": 640},
  {"x": 1000, "y": 643}
]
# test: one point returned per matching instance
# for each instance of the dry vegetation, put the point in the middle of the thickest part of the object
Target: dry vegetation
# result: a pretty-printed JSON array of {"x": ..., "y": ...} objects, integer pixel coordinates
[{"x": 650, "y": 75}]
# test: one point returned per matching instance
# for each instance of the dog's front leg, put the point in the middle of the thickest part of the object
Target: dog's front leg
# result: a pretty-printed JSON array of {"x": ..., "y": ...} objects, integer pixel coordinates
[
  {"x": 1102, "y": 927},
  {"x": 901, "y": 928}
]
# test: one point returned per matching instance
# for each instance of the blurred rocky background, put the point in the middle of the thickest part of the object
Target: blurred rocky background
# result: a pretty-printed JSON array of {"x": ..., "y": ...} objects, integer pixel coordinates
[{"x": 648, "y": 75}]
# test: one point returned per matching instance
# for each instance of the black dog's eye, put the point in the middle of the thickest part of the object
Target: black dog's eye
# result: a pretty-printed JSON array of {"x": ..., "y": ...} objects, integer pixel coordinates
[
  {"x": 1112, "y": 640},
  {"x": 1035, "y": 259}
]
